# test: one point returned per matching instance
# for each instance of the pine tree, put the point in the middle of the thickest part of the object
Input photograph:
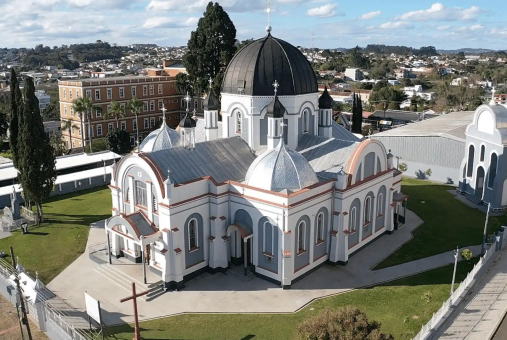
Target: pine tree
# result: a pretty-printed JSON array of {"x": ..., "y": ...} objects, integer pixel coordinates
[
  {"x": 36, "y": 163},
  {"x": 16, "y": 108},
  {"x": 210, "y": 49}
]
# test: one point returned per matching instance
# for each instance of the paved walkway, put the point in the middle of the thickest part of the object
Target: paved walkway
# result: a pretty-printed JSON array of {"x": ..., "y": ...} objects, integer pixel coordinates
[
  {"x": 221, "y": 293},
  {"x": 4, "y": 234},
  {"x": 482, "y": 309}
]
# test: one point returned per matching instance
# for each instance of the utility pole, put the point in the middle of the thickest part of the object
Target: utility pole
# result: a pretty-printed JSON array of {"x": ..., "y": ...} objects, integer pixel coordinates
[
  {"x": 24, "y": 318},
  {"x": 456, "y": 252}
]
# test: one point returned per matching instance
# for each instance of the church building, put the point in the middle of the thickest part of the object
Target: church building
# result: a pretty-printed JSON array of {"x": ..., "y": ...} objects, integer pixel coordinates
[
  {"x": 483, "y": 175},
  {"x": 275, "y": 189}
]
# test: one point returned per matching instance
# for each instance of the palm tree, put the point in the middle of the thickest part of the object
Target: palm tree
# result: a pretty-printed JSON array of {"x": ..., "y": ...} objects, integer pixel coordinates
[
  {"x": 89, "y": 107},
  {"x": 79, "y": 107},
  {"x": 68, "y": 124},
  {"x": 135, "y": 106},
  {"x": 117, "y": 111}
]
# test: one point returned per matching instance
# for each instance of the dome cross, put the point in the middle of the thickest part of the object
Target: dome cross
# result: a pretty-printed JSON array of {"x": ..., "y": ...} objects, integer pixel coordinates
[
  {"x": 276, "y": 85},
  {"x": 282, "y": 125},
  {"x": 210, "y": 83},
  {"x": 163, "y": 111},
  {"x": 268, "y": 10},
  {"x": 187, "y": 99}
]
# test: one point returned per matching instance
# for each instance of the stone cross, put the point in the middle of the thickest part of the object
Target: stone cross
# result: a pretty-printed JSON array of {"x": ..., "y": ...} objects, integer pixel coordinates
[{"x": 133, "y": 297}]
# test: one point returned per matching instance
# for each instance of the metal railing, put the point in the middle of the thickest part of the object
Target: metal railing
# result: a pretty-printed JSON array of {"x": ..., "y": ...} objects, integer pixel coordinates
[{"x": 98, "y": 253}]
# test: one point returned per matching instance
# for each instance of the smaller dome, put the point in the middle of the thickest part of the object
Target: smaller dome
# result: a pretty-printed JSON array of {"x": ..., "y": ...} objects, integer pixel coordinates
[
  {"x": 211, "y": 102},
  {"x": 325, "y": 100},
  {"x": 160, "y": 139},
  {"x": 275, "y": 108},
  {"x": 187, "y": 122},
  {"x": 280, "y": 169}
]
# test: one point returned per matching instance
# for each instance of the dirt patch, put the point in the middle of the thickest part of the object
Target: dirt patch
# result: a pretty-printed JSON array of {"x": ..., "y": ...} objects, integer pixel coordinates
[{"x": 9, "y": 324}]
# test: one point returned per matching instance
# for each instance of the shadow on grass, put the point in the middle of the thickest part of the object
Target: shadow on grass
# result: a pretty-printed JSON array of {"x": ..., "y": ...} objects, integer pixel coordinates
[{"x": 74, "y": 195}]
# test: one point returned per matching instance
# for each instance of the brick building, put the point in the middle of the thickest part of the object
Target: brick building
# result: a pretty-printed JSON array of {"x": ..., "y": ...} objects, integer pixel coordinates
[{"x": 154, "y": 91}]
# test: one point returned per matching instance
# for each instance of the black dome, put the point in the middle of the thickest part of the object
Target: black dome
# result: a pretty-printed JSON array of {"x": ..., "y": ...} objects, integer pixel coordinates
[
  {"x": 254, "y": 69},
  {"x": 211, "y": 102},
  {"x": 188, "y": 122},
  {"x": 275, "y": 108},
  {"x": 325, "y": 101}
]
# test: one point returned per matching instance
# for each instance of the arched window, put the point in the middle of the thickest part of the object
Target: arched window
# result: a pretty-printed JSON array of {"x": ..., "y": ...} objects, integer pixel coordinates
[
  {"x": 367, "y": 210},
  {"x": 301, "y": 237},
  {"x": 192, "y": 234},
  {"x": 268, "y": 238},
  {"x": 238, "y": 122},
  {"x": 471, "y": 152},
  {"x": 306, "y": 121},
  {"x": 380, "y": 210},
  {"x": 483, "y": 151},
  {"x": 492, "y": 169},
  {"x": 352, "y": 220},
  {"x": 320, "y": 228}
]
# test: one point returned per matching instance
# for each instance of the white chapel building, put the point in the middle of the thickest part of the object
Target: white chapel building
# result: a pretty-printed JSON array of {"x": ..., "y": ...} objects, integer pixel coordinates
[{"x": 274, "y": 189}]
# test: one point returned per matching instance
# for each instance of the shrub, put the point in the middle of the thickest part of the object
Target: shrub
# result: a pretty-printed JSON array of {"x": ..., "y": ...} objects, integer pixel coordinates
[
  {"x": 428, "y": 172},
  {"x": 345, "y": 324},
  {"x": 466, "y": 254},
  {"x": 403, "y": 167}
]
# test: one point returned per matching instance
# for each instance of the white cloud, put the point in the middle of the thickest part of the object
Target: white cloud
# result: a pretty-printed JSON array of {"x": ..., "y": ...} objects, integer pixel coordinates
[
  {"x": 325, "y": 11},
  {"x": 395, "y": 25},
  {"x": 438, "y": 12},
  {"x": 370, "y": 15},
  {"x": 443, "y": 28},
  {"x": 167, "y": 22}
]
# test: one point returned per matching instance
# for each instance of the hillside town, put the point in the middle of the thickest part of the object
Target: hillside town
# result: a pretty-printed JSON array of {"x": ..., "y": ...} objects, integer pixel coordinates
[{"x": 220, "y": 182}]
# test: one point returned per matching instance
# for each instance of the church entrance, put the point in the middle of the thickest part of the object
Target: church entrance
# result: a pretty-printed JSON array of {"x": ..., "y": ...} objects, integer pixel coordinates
[{"x": 239, "y": 249}]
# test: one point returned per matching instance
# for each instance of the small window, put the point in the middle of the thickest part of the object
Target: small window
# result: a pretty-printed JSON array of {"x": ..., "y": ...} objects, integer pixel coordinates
[
  {"x": 192, "y": 234},
  {"x": 122, "y": 92},
  {"x": 320, "y": 227},
  {"x": 99, "y": 130},
  {"x": 160, "y": 89},
  {"x": 89, "y": 94},
  {"x": 141, "y": 193},
  {"x": 97, "y": 94},
  {"x": 134, "y": 125},
  {"x": 196, "y": 105},
  {"x": 352, "y": 220},
  {"x": 133, "y": 91},
  {"x": 380, "y": 210},
  {"x": 72, "y": 112},
  {"x": 110, "y": 127},
  {"x": 238, "y": 122},
  {"x": 123, "y": 125},
  {"x": 109, "y": 93},
  {"x": 70, "y": 94},
  {"x": 64, "y": 94},
  {"x": 145, "y": 106},
  {"x": 483, "y": 151},
  {"x": 145, "y": 90},
  {"x": 152, "y": 106},
  {"x": 367, "y": 210},
  {"x": 301, "y": 237},
  {"x": 152, "y": 90},
  {"x": 146, "y": 123},
  {"x": 160, "y": 104},
  {"x": 152, "y": 122},
  {"x": 306, "y": 121},
  {"x": 98, "y": 113},
  {"x": 79, "y": 134},
  {"x": 65, "y": 111}
]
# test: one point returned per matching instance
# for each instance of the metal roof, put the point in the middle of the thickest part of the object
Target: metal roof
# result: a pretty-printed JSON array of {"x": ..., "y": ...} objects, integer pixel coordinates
[
  {"x": 223, "y": 159},
  {"x": 280, "y": 169},
  {"x": 452, "y": 125},
  {"x": 143, "y": 225},
  {"x": 326, "y": 155},
  {"x": 407, "y": 116},
  {"x": 254, "y": 69},
  {"x": 339, "y": 132}
]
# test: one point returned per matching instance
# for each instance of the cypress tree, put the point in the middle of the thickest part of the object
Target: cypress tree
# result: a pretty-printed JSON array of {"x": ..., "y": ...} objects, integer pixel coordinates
[
  {"x": 36, "y": 163},
  {"x": 357, "y": 115},
  {"x": 16, "y": 108}
]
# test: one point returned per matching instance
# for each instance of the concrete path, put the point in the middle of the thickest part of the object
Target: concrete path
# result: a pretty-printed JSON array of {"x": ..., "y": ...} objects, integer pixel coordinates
[
  {"x": 4, "y": 234},
  {"x": 482, "y": 309},
  {"x": 221, "y": 293}
]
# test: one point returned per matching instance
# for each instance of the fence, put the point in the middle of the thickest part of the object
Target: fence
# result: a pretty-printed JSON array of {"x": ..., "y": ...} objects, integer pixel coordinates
[
  {"x": 29, "y": 214},
  {"x": 445, "y": 311},
  {"x": 56, "y": 322},
  {"x": 98, "y": 253}
]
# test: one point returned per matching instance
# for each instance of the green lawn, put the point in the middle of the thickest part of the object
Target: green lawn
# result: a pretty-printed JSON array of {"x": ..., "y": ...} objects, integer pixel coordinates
[
  {"x": 54, "y": 245},
  {"x": 397, "y": 305},
  {"x": 447, "y": 222}
]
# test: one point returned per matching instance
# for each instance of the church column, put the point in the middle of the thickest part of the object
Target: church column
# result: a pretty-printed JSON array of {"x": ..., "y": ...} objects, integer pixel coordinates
[
  {"x": 334, "y": 234},
  {"x": 343, "y": 240},
  {"x": 288, "y": 254}
]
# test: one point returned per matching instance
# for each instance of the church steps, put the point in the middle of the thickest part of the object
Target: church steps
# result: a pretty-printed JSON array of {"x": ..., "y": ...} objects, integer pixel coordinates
[
  {"x": 127, "y": 277},
  {"x": 108, "y": 275}
]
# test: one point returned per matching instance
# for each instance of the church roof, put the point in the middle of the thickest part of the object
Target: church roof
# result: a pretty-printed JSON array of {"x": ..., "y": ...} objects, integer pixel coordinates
[
  {"x": 211, "y": 102},
  {"x": 223, "y": 159},
  {"x": 160, "y": 139},
  {"x": 187, "y": 122},
  {"x": 281, "y": 169},
  {"x": 254, "y": 69}
]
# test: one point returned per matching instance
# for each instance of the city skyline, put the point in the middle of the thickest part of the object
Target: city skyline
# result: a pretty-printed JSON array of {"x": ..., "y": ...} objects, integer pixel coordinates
[{"x": 446, "y": 25}]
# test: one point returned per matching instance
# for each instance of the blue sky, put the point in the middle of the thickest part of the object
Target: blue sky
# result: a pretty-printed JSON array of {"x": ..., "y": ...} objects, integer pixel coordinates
[{"x": 445, "y": 24}]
